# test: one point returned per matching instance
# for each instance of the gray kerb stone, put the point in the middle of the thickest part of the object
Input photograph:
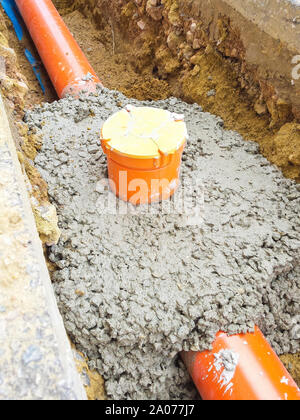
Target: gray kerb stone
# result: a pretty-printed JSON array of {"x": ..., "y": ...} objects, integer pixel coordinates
[{"x": 36, "y": 360}]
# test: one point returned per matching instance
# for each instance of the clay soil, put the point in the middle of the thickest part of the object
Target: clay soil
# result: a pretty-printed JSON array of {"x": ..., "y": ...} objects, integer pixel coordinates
[
  {"x": 121, "y": 66},
  {"x": 35, "y": 94},
  {"x": 110, "y": 60}
]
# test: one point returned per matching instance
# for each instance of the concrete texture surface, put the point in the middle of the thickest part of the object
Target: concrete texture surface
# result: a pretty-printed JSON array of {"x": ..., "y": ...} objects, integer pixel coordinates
[
  {"x": 36, "y": 361},
  {"x": 137, "y": 287}
]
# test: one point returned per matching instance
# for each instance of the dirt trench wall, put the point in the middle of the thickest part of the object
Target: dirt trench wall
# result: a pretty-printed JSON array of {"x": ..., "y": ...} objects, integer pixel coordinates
[
  {"x": 15, "y": 89},
  {"x": 244, "y": 92},
  {"x": 181, "y": 73},
  {"x": 20, "y": 93},
  {"x": 235, "y": 61},
  {"x": 259, "y": 41}
]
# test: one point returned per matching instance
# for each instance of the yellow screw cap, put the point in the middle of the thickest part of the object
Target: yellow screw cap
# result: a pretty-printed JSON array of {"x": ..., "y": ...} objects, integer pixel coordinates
[{"x": 145, "y": 132}]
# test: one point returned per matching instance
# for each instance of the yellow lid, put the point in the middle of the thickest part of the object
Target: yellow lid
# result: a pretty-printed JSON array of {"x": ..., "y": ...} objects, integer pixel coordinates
[{"x": 145, "y": 132}]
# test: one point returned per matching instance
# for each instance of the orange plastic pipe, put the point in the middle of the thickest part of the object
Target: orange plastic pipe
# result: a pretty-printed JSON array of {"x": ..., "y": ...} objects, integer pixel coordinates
[
  {"x": 63, "y": 59},
  {"x": 258, "y": 375}
]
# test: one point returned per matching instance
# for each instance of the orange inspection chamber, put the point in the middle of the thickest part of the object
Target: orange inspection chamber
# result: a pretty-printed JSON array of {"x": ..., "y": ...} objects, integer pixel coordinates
[
  {"x": 67, "y": 66},
  {"x": 144, "y": 147},
  {"x": 240, "y": 367}
]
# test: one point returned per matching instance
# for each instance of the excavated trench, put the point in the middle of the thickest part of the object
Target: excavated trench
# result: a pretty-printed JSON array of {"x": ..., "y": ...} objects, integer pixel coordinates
[{"x": 114, "y": 276}]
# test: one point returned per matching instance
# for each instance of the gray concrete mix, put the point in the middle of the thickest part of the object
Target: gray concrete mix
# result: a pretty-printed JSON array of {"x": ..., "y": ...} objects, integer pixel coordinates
[{"x": 135, "y": 289}]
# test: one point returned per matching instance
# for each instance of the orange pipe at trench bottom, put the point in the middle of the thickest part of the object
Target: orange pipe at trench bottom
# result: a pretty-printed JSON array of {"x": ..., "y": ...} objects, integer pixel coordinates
[
  {"x": 240, "y": 367},
  {"x": 66, "y": 64}
]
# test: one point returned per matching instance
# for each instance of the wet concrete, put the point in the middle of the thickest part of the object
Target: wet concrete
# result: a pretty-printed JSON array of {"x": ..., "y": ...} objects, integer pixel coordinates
[{"x": 135, "y": 289}]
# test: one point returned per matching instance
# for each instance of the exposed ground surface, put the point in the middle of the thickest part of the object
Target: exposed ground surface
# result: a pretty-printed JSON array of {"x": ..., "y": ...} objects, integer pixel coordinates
[
  {"x": 136, "y": 289},
  {"x": 139, "y": 66},
  {"x": 35, "y": 358}
]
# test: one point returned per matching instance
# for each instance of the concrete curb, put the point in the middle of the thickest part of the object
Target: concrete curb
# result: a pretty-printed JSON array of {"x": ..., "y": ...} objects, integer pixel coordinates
[
  {"x": 36, "y": 361},
  {"x": 277, "y": 18}
]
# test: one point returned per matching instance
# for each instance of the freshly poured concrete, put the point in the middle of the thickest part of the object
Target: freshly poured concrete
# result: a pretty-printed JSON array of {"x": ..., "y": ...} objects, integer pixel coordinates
[{"x": 135, "y": 289}]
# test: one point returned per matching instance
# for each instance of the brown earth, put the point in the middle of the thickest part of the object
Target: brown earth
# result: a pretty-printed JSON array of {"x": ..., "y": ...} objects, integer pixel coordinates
[
  {"x": 34, "y": 95},
  {"x": 21, "y": 90}
]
